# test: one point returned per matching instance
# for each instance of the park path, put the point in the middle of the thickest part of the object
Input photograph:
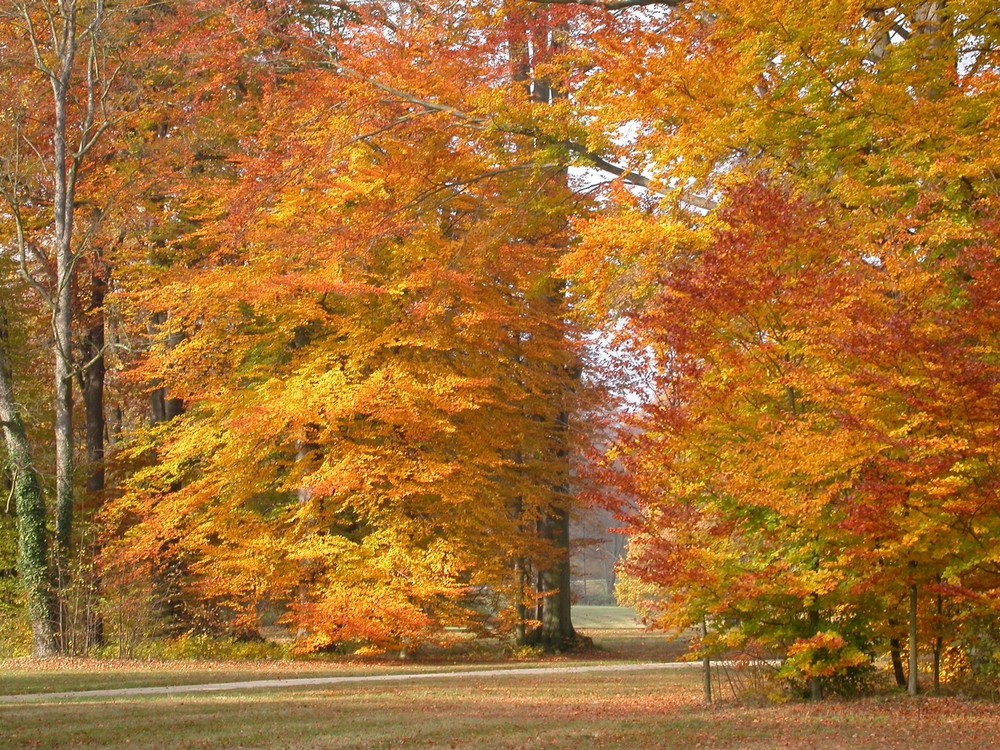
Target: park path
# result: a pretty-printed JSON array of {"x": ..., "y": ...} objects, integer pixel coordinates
[{"x": 221, "y": 687}]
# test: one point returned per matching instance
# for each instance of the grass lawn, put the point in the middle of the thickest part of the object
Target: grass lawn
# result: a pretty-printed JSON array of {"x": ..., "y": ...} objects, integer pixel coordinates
[
  {"x": 19, "y": 676},
  {"x": 587, "y": 617},
  {"x": 631, "y": 711},
  {"x": 628, "y": 711}
]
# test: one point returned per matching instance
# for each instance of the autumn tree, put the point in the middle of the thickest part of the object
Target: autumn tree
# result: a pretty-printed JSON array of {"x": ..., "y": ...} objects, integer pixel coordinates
[
  {"x": 358, "y": 321},
  {"x": 867, "y": 128}
]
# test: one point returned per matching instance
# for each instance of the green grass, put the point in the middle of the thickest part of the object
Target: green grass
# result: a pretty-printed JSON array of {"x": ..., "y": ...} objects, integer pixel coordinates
[
  {"x": 20, "y": 683},
  {"x": 90, "y": 675},
  {"x": 631, "y": 711},
  {"x": 604, "y": 618},
  {"x": 22, "y": 676}
]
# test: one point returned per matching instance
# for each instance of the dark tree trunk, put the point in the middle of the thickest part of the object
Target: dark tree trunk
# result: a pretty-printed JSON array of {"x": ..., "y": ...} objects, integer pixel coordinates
[
  {"x": 815, "y": 682},
  {"x": 939, "y": 639},
  {"x": 520, "y": 590},
  {"x": 529, "y": 48},
  {"x": 912, "y": 686},
  {"x": 162, "y": 407},
  {"x": 895, "y": 654},
  {"x": 706, "y": 664},
  {"x": 170, "y": 571},
  {"x": 93, "y": 384},
  {"x": 93, "y": 399},
  {"x": 557, "y": 626}
]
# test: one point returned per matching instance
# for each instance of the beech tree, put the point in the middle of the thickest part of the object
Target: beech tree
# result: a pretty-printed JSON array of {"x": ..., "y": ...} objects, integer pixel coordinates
[
  {"x": 854, "y": 122},
  {"x": 406, "y": 380}
]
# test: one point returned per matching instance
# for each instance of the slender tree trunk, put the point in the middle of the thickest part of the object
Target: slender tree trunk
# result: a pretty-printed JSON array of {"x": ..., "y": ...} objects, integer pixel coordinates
[
  {"x": 302, "y": 496},
  {"x": 520, "y": 575},
  {"x": 169, "y": 570},
  {"x": 64, "y": 171},
  {"x": 706, "y": 664},
  {"x": 521, "y": 611},
  {"x": 912, "y": 687},
  {"x": 93, "y": 383},
  {"x": 78, "y": 101},
  {"x": 815, "y": 682},
  {"x": 32, "y": 548},
  {"x": 939, "y": 639},
  {"x": 93, "y": 399},
  {"x": 895, "y": 654}
]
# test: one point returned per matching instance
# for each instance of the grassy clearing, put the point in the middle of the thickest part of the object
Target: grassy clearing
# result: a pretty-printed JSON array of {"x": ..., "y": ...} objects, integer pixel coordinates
[
  {"x": 588, "y": 617},
  {"x": 628, "y": 711},
  {"x": 20, "y": 676},
  {"x": 69, "y": 675}
]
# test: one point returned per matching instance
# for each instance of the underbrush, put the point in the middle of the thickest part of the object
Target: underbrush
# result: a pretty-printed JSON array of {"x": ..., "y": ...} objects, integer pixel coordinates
[{"x": 200, "y": 647}]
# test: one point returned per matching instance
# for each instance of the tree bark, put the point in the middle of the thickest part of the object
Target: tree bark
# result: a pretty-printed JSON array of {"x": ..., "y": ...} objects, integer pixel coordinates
[
  {"x": 938, "y": 639},
  {"x": 557, "y": 624},
  {"x": 32, "y": 547},
  {"x": 706, "y": 664},
  {"x": 815, "y": 682},
  {"x": 93, "y": 383},
  {"x": 895, "y": 654},
  {"x": 63, "y": 205},
  {"x": 912, "y": 687},
  {"x": 162, "y": 407},
  {"x": 527, "y": 51},
  {"x": 521, "y": 611},
  {"x": 93, "y": 377}
]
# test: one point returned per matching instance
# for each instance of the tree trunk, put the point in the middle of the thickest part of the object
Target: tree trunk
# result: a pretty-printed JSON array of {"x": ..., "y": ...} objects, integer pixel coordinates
[
  {"x": 557, "y": 626},
  {"x": 63, "y": 206},
  {"x": 815, "y": 682},
  {"x": 520, "y": 578},
  {"x": 93, "y": 383},
  {"x": 895, "y": 654},
  {"x": 706, "y": 664},
  {"x": 169, "y": 571},
  {"x": 912, "y": 687},
  {"x": 939, "y": 639},
  {"x": 162, "y": 407},
  {"x": 528, "y": 49},
  {"x": 93, "y": 400},
  {"x": 32, "y": 544}
]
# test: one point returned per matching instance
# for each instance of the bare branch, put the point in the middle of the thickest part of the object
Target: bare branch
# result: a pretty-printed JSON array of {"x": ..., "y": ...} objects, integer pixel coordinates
[
  {"x": 35, "y": 49},
  {"x": 428, "y": 105},
  {"x": 13, "y": 486},
  {"x": 21, "y": 241}
]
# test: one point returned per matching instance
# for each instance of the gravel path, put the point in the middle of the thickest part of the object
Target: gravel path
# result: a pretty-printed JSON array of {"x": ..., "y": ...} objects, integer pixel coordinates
[{"x": 219, "y": 687}]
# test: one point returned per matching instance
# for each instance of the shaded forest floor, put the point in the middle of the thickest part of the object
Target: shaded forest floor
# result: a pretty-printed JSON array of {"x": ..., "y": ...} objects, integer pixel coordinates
[{"x": 633, "y": 711}]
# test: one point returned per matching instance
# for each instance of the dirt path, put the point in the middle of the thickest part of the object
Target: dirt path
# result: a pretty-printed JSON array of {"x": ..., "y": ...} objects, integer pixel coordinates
[{"x": 218, "y": 687}]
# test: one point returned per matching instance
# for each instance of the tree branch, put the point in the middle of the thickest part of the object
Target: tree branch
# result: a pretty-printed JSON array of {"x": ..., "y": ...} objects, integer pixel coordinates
[
  {"x": 407, "y": 97},
  {"x": 633, "y": 178},
  {"x": 612, "y": 4}
]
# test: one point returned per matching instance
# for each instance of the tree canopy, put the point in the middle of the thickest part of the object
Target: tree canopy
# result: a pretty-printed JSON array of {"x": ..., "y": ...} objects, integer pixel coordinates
[{"x": 364, "y": 301}]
